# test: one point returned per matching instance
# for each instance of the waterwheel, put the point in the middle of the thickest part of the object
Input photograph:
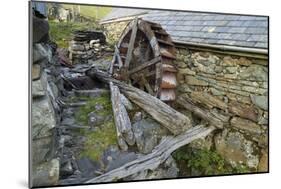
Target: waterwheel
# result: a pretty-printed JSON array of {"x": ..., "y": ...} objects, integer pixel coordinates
[{"x": 144, "y": 58}]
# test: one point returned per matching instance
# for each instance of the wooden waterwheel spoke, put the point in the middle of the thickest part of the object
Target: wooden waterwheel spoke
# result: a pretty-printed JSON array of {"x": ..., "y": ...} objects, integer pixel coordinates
[
  {"x": 131, "y": 43},
  {"x": 144, "y": 65}
]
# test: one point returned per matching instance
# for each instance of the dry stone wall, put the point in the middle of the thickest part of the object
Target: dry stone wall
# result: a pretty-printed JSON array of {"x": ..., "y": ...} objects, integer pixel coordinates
[{"x": 233, "y": 89}]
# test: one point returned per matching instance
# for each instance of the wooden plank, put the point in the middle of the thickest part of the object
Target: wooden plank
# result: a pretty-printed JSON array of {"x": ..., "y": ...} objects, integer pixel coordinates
[
  {"x": 118, "y": 57},
  {"x": 200, "y": 112},
  {"x": 121, "y": 119},
  {"x": 161, "y": 33},
  {"x": 173, "y": 120},
  {"x": 166, "y": 53},
  {"x": 144, "y": 65},
  {"x": 112, "y": 63},
  {"x": 165, "y": 42},
  {"x": 158, "y": 80},
  {"x": 131, "y": 43},
  {"x": 158, "y": 156},
  {"x": 147, "y": 85}
]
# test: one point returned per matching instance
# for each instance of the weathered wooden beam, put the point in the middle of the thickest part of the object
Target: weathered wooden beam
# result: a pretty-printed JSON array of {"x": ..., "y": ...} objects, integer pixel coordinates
[
  {"x": 119, "y": 60},
  {"x": 147, "y": 85},
  {"x": 131, "y": 43},
  {"x": 121, "y": 119},
  {"x": 173, "y": 120},
  {"x": 144, "y": 65},
  {"x": 200, "y": 112},
  {"x": 159, "y": 155}
]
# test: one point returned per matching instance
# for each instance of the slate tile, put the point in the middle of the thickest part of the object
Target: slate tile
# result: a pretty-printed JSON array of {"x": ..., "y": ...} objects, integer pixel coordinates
[
  {"x": 247, "y": 18},
  {"x": 255, "y": 30},
  {"x": 224, "y": 36},
  {"x": 244, "y": 43},
  {"x": 222, "y": 29},
  {"x": 240, "y": 37},
  {"x": 261, "y": 45},
  {"x": 232, "y": 17},
  {"x": 236, "y": 23},
  {"x": 260, "y": 38},
  {"x": 226, "y": 42},
  {"x": 236, "y": 30}
]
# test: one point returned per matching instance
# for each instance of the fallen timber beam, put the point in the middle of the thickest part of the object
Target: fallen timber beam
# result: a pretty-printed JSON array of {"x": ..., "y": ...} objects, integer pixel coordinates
[
  {"x": 173, "y": 120},
  {"x": 121, "y": 119},
  {"x": 187, "y": 104},
  {"x": 156, "y": 157}
]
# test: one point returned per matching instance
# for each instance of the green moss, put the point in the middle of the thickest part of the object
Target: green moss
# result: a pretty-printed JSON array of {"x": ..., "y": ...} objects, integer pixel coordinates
[
  {"x": 81, "y": 115},
  {"x": 100, "y": 139},
  {"x": 207, "y": 162}
]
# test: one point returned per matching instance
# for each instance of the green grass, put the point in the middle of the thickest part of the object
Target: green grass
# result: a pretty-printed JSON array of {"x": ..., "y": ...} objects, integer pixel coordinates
[
  {"x": 93, "y": 12},
  {"x": 99, "y": 140},
  {"x": 61, "y": 32}
]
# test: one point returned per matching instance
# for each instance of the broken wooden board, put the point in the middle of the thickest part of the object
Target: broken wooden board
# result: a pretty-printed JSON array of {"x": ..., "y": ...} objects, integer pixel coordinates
[
  {"x": 156, "y": 157},
  {"x": 200, "y": 112},
  {"x": 121, "y": 119},
  {"x": 173, "y": 120}
]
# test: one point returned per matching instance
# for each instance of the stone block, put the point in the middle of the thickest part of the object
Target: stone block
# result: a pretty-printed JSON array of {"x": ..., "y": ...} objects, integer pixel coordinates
[
  {"x": 208, "y": 100},
  {"x": 243, "y": 110},
  {"x": 245, "y": 125},
  {"x": 260, "y": 101},
  {"x": 191, "y": 80},
  {"x": 236, "y": 149}
]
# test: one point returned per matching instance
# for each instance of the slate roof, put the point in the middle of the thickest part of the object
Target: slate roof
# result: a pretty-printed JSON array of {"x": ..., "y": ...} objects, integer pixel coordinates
[{"x": 205, "y": 28}]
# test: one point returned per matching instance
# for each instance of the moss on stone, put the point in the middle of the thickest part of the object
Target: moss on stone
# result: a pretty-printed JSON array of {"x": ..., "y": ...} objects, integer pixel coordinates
[
  {"x": 98, "y": 140},
  {"x": 82, "y": 114}
]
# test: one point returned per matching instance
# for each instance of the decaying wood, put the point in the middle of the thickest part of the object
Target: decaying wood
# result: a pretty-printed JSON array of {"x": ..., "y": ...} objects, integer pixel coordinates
[
  {"x": 158, "y": 155},
  {"x": 121, "y": 118},
  {"x": 118, "y": 57},
  {"x": 131, "y": 43},
  {"x": 91, "y": 92},
  {"x": 200, "y": 112},
  {"x": 173, "y": 120}
]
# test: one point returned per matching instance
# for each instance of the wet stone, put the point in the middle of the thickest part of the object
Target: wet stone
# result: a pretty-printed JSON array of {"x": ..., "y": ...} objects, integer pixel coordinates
[
  {"x": 113, "y": 158},
  {"x": 88, "y": 167},
  {"x": 147, "y": 134}
]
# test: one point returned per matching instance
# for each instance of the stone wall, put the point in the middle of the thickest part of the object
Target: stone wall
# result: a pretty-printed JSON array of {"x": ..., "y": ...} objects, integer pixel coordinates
[
  {"x": 234, "y": 90},
  {"x": 44, "y": 164}
]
